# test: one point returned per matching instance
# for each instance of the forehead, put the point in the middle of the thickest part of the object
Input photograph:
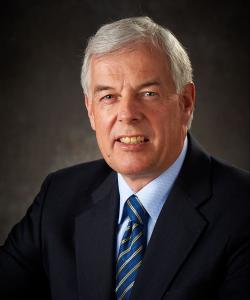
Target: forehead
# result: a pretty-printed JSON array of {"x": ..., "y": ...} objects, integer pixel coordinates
[{"x": 134, "y": 62}]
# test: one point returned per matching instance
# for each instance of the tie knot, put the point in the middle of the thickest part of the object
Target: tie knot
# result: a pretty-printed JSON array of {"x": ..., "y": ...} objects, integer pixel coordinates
[{"x": 135, "y": 210}]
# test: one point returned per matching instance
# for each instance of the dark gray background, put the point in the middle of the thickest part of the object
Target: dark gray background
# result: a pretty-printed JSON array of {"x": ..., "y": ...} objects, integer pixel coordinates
[{"x": 44, "y": 125}]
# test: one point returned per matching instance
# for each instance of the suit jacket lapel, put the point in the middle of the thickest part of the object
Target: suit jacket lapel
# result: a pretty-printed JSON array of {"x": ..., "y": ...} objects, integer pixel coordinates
[
  {"x": 177, "y": 230},
  {"x": 95, "y": 234}
]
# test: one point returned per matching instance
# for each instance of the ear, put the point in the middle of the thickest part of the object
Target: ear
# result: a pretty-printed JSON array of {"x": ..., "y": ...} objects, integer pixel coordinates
[
  {"x": 187, "y": 101},
  {"x": 89, "y": 107}
]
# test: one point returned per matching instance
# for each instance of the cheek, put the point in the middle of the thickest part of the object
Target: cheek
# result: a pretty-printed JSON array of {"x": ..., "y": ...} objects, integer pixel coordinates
[
  {"x": 103, "y": 134},
  {"x": 102, "y": 127},
  {"x": 103, "y": 115},
  {"x": 167, "y": 123}
]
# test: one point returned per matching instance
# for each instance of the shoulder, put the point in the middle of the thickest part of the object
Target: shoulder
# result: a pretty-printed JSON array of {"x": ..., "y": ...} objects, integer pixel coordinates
[
  {"x": 73, "y": 184},
  {"x": 216, "y": 172},
  {"x": 68, "y": 191},
  {"x": 229, "y": 204},
  {"x": 84, "y": 174},
  {"x": 220, "y": 189},
  {"x": 229, "y": 179}
]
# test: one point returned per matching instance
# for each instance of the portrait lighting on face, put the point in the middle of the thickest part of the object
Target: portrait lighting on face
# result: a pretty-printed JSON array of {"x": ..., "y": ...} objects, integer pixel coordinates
[
  {"x": 156, "y": 217},
  {"x": 140, "y": 120}
]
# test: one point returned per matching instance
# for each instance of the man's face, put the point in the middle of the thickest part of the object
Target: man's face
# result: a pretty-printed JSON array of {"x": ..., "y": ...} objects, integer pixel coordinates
[{"x": 140, "y": 121}]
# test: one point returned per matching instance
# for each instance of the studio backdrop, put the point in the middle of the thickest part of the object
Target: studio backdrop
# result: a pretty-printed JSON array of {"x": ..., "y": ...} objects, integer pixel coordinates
[{"x": 44, "y": 125}]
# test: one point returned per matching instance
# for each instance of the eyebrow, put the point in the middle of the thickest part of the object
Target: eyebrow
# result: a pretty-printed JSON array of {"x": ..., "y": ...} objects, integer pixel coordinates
[
  {"x": 100, "y": 88},
  {"x": 149, "y": 83}
]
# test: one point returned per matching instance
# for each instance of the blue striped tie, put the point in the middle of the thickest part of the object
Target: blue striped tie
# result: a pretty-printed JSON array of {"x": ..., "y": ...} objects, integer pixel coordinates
[{"x": 132, "y": 248}]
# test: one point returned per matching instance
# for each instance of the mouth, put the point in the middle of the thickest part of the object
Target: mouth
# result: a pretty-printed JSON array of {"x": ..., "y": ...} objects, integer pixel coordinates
[{"x": 132, "y": 140}]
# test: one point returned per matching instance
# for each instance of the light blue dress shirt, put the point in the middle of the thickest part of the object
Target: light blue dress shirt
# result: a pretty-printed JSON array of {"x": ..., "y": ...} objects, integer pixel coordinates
[{"x": 152, "y": 196}]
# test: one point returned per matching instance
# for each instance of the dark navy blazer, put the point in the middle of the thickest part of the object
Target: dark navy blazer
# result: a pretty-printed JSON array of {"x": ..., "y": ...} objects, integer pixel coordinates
[{"x": 64, "y": 248}]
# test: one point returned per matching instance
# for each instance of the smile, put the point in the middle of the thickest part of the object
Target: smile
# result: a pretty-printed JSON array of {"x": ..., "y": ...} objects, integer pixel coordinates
[{"x": 133, "y": 140}]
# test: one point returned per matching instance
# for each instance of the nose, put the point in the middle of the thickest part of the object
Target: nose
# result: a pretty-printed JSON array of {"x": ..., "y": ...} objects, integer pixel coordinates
[{"x": 129, "y": 110}]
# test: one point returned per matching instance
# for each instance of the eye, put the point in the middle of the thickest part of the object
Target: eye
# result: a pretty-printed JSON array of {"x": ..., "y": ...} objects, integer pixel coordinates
[
  {"x": 150, "y": 94},
  {"x": 107, "y": 97}
]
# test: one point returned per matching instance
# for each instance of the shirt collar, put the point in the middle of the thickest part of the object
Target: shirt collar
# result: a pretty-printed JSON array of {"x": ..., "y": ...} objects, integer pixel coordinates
[{"x": 154, "y": 194}]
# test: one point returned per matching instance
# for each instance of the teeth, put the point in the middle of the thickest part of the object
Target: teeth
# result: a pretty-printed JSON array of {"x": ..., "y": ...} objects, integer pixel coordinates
[{"x": 132, "y": 140}]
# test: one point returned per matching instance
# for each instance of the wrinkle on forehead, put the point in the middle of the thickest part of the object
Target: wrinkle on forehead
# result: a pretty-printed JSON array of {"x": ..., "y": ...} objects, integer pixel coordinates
[{"x": 129, "y": 67}]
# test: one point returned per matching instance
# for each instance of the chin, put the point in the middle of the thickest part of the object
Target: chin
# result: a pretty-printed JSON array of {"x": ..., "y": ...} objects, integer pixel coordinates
[
  {"x": 130, "y": 165},
  {"x": 133, "y": 170}
]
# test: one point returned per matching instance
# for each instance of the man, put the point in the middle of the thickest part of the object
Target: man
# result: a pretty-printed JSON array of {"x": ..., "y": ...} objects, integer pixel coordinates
[{"x": 158, "y": 218}]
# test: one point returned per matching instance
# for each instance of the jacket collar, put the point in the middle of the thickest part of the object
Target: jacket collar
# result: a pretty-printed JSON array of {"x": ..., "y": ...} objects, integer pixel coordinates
[{"x": 95, "y": 239}]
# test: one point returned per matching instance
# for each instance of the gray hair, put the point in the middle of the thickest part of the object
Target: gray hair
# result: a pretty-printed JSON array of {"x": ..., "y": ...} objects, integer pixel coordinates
[{"x": 125, "y": 32}]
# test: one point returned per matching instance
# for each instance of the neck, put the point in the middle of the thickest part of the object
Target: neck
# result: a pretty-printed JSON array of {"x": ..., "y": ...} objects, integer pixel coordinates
[{"x": 137, "y": 181}]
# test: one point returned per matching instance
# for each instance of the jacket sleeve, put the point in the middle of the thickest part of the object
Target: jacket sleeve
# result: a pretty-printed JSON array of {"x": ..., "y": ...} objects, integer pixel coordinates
[
  {"x": 236, "y": 283},
  {"x": 21, "y": 266}
]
